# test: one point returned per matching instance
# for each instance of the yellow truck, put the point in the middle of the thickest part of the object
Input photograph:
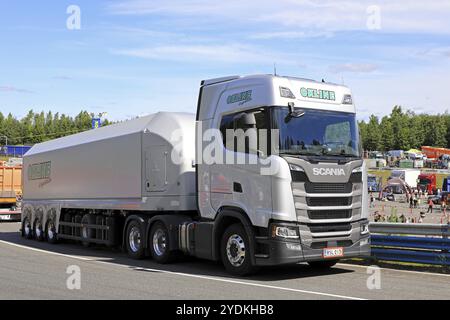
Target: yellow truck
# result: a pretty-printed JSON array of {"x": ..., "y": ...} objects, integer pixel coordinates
[
  {"x": 10, "y": 192},
  {"x": 10, "y": 184}
]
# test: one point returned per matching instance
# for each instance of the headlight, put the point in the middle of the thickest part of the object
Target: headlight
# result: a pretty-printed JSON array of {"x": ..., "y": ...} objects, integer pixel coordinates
[
  {"x": 356, "y": 170},
  {"x": 365, "y": 228},
  {"x": 295, "y": 167},
  {"x": 284, "y": 232}
]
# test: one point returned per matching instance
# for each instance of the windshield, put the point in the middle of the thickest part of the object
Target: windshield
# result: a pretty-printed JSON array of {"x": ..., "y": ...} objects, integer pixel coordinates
[
  {"x": 424, "y": 181},
  {"x": 316, "y": 132}
]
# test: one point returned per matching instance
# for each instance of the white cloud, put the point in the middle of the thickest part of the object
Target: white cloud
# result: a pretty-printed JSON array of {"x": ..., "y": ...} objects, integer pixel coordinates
[
  {"x": 289, "y": 35},
  {"x": 354, "y": 67},
  {"x": 206, "y": 53},
  {"x": 14, "y": 89},
  {"x": 407, "y": 16}
]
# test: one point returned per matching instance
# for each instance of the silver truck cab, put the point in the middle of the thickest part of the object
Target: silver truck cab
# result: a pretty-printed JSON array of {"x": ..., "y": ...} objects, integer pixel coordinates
[{"x": 303, "y": 185}]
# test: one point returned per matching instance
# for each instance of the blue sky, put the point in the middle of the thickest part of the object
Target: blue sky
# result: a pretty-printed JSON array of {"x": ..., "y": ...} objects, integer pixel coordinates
[{"x": 137, "y": 57}]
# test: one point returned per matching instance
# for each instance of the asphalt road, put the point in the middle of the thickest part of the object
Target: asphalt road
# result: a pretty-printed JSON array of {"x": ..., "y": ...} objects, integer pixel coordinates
[{"x": 34, "y": 270}]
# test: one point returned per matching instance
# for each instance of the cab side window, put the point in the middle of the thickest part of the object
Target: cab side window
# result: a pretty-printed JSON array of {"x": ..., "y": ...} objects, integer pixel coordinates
[{"x": 245, "y": 132}]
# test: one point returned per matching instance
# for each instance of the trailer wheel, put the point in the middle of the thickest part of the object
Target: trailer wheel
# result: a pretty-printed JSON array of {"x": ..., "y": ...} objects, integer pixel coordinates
[
  {"x": 50, "y": 232},
  {"x": 235, "y": 251},
  {"x": 38, "y": 230},
  {"x": 134, "y": 240},
  {"x": 323, "y": 264},
  {"x": 27, "y": 229},
  {"x": 159, "y": 244}
]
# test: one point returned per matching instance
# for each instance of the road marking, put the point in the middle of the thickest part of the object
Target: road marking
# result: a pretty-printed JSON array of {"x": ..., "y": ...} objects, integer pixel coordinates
[
  {"x": 188, "y": 274},
  {"x": 396, "y": 270},
  {"x": 46, "y": 251},
  {"x": 242, "y": 282}
]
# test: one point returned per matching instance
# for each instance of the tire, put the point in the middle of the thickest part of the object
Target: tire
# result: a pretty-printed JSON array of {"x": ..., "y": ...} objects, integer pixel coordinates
[
  {"x": 322, "y": 265},
  {"x": 235, "y": 251},
  {"x": 159, "y": 244},
  {"x": 27, "y": 229},
  {"x": 38, "y": 230},
  {"x": 134, "y": 240},
  {"x": 50, "y": 232}
]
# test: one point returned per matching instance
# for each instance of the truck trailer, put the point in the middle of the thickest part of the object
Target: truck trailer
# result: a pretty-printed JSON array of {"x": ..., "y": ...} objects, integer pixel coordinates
[
  {"x": 410, "y": 176},
  {"x": 268, "y": 172}
]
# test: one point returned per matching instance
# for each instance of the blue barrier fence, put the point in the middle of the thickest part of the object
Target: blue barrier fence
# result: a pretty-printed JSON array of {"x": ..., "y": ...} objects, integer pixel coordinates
[{"x": 416, "y": 243}]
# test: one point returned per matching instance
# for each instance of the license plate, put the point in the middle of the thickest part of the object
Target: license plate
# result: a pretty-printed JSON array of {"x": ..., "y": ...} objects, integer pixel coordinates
[
  {"x": 333, "y": 252},
  {"x": 5, "y": 217}
]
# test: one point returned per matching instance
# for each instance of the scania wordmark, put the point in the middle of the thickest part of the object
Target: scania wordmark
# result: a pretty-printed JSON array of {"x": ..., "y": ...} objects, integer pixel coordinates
[{"x": 171, "y": 183}]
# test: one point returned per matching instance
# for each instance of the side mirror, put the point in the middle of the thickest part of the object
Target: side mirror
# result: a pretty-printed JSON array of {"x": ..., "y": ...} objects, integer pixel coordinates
[{"x": 245, "y": 120}]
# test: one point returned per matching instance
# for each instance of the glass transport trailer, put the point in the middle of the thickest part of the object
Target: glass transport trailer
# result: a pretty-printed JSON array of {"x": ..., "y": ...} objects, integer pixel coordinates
[{"x": 268, "y": 172}]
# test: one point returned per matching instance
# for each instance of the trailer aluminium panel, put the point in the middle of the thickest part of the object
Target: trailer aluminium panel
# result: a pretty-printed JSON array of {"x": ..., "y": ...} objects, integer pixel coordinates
[{"x": 268, "y": 172}]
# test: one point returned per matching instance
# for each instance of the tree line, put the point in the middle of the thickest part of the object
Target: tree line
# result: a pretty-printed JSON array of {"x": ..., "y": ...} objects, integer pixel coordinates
[
  {"x": 38, "y": 127},
  {"x": 403, "y": 130}
]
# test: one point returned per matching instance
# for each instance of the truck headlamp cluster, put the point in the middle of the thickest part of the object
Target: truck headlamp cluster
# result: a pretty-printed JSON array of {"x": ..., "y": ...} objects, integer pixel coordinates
[
  {"x": 295, "y": 167},
  {"x": 357, "y": 170},
  {"x": 286, "y": 93},
  {"x": 285, "y": 232}
]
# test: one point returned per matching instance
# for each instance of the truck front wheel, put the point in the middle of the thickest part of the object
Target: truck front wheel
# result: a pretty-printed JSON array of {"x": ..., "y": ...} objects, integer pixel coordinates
[{"x": 235, "y": 251}]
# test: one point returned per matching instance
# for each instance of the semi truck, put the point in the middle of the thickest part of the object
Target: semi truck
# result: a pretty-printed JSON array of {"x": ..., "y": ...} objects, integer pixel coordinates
[
  {"x": 410, "y": 176},
  {"x": 269, "y": 171},
  {"x": 10, "y": 192},
  {"x": 427, "y": 182}
]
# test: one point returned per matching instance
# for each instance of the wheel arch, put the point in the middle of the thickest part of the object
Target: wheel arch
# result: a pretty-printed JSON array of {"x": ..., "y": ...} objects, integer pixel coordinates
[{"x": 225, "y": 217}]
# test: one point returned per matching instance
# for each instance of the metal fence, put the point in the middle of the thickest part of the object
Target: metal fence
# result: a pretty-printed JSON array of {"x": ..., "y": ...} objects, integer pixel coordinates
[{"x": 411, "y": 242}]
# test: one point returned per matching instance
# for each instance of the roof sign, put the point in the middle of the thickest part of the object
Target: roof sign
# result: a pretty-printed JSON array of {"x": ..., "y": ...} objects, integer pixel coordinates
[
  {"x": 318, "y": 94},
  {"x": 242, "y": 97}
]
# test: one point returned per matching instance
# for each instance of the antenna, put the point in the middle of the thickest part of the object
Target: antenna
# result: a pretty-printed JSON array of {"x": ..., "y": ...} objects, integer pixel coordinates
[{"x": 275, "y": 69}]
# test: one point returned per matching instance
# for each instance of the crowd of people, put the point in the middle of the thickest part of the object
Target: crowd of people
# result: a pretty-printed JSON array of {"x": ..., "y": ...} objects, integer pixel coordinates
[{"x": 417, "y": 199}]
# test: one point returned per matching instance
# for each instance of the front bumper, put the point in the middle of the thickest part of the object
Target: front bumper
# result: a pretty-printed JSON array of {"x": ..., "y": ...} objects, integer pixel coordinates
[{"x": 281, "y": 252}]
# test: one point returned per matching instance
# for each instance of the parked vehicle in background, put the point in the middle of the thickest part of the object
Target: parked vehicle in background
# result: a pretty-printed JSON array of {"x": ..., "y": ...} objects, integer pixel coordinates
[
  {"x": 410, "y": 176},
  {"x": 12, "y": 214},
  {"x": 145, "y": 185},
  {"x": 427, "y": 182},
  {"x": 396, "y": 153},
  {"x": 373, "y": 183},
  {"x": 10, "y": 185}
]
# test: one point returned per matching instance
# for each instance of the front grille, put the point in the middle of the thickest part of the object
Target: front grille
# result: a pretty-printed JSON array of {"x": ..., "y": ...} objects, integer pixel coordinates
[
  {"x": 329, "y": 202},
  {"x": 315, "y": 187},
  {"x": 329, "y": 214},
  {"x": 330, "y": 227},
  {"x": 325, "y": 244}
]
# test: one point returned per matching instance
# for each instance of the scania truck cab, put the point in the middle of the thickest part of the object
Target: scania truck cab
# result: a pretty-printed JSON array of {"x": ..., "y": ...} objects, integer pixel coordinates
[
  {"x": 304, "y": 187},
  {"x": 268, "y": 172}
]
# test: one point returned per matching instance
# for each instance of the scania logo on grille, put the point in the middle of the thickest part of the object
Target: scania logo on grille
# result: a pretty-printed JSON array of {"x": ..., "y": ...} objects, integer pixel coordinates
[{"x": 328, "y": 172}]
